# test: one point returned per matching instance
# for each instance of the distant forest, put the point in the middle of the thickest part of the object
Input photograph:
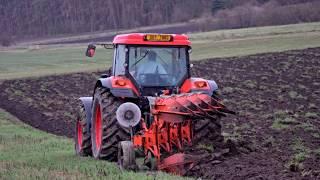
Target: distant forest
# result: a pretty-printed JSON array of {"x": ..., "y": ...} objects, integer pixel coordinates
[{"x": 43, "y": 18}]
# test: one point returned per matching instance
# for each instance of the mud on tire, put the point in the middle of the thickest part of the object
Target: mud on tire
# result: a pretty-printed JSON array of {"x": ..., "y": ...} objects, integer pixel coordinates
[
  {"x": 106, "y": 132},
  {"x": 82, "y": 137}
]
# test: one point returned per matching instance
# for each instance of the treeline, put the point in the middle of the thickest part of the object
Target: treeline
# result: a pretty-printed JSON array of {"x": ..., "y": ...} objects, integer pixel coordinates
[
  {"x": 42, "y": 18},
  {"x": 51, "y": 17},
  {"x": 228, "y": 14}
]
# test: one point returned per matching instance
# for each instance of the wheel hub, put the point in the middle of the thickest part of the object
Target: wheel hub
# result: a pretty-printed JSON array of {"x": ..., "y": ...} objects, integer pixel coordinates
[{"x": 128, "y": 115}]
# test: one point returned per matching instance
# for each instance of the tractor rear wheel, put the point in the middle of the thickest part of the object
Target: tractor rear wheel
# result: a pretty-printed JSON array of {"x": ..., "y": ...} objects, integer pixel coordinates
[
  {"x": 106, "y": 132},
  {"x": 82, "y": 137}
]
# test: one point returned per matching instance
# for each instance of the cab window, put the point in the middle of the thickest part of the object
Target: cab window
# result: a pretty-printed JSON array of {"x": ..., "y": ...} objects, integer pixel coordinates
[{"x": 120, "y": 60}]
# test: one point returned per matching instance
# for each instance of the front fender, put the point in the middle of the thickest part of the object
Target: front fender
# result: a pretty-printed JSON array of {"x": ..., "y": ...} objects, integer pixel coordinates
[{"x": 127, "y": 90}]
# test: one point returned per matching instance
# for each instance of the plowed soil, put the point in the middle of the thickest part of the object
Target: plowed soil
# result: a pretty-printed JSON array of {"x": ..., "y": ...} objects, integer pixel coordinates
[{"x": 275, "y": 135}]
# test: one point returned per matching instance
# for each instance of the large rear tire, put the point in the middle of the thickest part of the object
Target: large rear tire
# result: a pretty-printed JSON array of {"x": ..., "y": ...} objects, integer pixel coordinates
[
  {"x": 82, "y": 137},
  {"x": 106, "y": 132}
]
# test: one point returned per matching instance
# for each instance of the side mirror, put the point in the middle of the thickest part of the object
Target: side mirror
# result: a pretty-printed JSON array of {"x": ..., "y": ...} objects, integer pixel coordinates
[{"x": 90, "y": 50}]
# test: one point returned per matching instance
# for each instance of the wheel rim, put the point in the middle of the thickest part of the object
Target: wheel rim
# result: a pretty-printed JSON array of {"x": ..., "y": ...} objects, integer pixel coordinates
[
  {"x": 98, "y": 127},
  {"x": 79, "y": 134}
]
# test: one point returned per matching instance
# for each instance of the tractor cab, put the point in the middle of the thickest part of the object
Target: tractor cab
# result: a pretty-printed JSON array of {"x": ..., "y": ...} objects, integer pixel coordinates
[
  {"x": 151, "y": 62},
  {"x": 156, "y": 66}
]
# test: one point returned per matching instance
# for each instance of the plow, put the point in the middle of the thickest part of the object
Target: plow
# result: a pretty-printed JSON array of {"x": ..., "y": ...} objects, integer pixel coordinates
[{"x": 149, "y": 106}]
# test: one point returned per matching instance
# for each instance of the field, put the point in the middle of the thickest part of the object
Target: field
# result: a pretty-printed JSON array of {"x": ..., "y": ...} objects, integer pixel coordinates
[
  {"x": 270, "y": 76},
  {"x": 275, "y": 134},
  {"x": 37, "y": 60}
]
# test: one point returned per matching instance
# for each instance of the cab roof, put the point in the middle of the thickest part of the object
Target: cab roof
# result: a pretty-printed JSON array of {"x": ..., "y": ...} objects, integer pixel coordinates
[{"x": 140, "y": 38}]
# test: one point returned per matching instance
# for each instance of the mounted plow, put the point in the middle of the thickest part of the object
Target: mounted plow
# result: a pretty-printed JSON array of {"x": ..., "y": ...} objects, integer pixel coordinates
[{"x": 172, "y": 129}]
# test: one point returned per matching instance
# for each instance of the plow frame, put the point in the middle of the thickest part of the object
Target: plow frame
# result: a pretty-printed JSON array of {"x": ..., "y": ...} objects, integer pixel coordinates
[{"x": 172, "y": 129}]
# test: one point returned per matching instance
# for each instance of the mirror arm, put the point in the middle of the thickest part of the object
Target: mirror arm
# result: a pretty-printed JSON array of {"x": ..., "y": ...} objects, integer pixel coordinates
[{"x": 106, "y": 45}]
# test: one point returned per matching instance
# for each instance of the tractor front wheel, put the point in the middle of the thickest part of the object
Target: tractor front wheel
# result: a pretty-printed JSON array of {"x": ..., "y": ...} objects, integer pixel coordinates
[{"x": 82, "y": 137}]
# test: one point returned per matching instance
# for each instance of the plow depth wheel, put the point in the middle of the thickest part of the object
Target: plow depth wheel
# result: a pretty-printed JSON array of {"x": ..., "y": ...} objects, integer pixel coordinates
[
  {"x": 126, "y": 156},
  {"x": 106, "y": 132},
  {"x": 82, "y": 137}
]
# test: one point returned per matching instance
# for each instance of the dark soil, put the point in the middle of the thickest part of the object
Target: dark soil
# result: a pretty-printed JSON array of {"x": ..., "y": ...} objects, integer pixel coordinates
[
  {"x": 276, "y": 134},
  {"x": 47, "y": 103}
]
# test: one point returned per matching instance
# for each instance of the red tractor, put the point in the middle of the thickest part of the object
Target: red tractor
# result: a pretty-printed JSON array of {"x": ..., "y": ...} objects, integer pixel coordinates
[{"x": 149, "y": 103}]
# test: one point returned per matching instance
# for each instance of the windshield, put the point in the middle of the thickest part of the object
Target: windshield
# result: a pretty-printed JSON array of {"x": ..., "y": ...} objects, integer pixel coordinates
[{"x": 157, "y": 66}]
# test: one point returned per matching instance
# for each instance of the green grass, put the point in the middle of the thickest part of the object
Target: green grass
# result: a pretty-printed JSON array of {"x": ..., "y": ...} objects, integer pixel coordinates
[
  {"x": 280, "y": 124},
  {"x": 301, "y": 151},
  {"x": 282, "y": 120},
  {"x": 257, "y": 31},
  {"x": 27, "y": 153},
  {"x": 239, "y": 42},
  {"x": 317, "y": 152},
  {"x": 311, "y": 115},
  {"x": 300, "y": 154},
  {"x": 46, "y": 60}
]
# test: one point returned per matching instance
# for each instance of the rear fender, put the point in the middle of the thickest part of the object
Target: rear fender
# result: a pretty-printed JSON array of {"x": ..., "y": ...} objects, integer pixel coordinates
[
  {"x": 119, "y": 86},
  {"x": 190, "y": 86},
  {"x": 87, "y": 104},
  {"x": 104, "y": 82}
]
